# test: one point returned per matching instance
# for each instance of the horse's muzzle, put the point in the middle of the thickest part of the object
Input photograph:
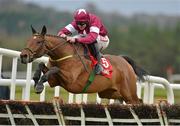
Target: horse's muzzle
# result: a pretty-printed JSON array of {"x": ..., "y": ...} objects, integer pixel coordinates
[{"x": 25, "y": 58}]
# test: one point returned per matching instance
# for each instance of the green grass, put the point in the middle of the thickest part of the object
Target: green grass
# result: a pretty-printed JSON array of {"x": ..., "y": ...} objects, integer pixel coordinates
[
  {"x": 49, "y": 95},
  {"x": 159, "y": 94}
]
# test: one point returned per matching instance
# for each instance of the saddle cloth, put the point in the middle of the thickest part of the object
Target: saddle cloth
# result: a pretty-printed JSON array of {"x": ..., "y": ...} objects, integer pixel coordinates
[{"x": 107, "y": 67}]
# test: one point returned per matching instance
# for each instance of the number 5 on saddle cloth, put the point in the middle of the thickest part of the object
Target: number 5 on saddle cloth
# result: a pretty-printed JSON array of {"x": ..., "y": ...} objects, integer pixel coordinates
[{"x": 104, "y": 62}]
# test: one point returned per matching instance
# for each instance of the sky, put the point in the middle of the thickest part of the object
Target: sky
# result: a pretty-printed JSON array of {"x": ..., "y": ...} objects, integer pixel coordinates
[{"x": 127, "y": 7}]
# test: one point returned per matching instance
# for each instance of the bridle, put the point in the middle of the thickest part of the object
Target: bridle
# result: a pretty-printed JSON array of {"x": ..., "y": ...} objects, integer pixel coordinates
[
  {"x": 59, "y": 45},
  {"x": 30, "y": 50},
  {"x": 33, "y": 52}
]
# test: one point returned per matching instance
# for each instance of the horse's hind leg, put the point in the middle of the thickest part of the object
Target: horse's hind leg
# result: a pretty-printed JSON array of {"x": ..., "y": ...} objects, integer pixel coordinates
[
  {"x": 130, "y": 96},
  {"x": 39, "y": 86},
  {"x": 111, "y": 94}
]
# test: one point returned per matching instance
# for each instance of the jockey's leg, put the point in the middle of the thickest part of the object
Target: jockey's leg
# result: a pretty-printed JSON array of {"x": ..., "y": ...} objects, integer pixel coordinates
[
  {"x": 39, "y": 87},
  {"x": 94, "y": 50}
]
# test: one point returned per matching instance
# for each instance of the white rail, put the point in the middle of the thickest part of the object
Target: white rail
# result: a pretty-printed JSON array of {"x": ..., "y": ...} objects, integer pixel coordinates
[{"x": 151, "y": 83}]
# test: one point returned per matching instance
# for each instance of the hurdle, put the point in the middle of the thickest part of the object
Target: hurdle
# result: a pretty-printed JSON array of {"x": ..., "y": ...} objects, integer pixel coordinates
[{"x": 59, "y": 113}]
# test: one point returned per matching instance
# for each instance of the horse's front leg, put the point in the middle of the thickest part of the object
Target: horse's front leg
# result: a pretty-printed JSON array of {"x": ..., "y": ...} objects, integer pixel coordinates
[
  {"x": 39, "y": 86},
  {"x": 37, "y": 73}
]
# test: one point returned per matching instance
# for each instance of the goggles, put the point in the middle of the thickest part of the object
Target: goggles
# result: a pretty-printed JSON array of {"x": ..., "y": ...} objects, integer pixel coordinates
[{"x": 81, "y": 23}]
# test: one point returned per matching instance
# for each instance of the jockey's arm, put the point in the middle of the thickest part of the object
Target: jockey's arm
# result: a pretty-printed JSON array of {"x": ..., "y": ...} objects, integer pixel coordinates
[
  {"x": 90, "y": 38},
  {"x": 64, "y": 32},
  {"x": 68, "y": 30}
]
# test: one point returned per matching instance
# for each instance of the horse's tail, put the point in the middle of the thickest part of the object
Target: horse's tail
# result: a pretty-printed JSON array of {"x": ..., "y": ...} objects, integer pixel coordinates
[{"x": 140, "y": 72}]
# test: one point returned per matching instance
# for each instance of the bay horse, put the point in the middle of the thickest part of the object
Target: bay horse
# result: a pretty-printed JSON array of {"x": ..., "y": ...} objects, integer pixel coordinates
[{"x": 65, "y": 68}]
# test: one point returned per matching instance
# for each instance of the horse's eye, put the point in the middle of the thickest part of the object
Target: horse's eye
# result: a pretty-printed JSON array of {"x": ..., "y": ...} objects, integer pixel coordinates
[{"x": 39, "y": 42}]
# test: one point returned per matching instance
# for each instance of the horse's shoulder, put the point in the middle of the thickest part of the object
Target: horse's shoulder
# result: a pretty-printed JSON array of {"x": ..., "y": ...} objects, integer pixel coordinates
[{"x": 114, "y": 58}]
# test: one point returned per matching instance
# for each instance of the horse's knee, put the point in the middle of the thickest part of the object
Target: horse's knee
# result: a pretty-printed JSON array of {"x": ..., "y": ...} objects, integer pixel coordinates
[
  {"x": 38, "y": 71},
  {"x": 37, "y": 75},
  {"x": 42, "y": 65},
  {"x": 54, "y": 70}
]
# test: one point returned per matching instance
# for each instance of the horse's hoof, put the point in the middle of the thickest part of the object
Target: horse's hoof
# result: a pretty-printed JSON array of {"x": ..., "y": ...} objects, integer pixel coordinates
[{"x": 39, "y": 88}]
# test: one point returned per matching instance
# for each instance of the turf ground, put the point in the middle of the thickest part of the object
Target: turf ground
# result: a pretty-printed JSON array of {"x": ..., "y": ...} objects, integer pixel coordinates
[{"x": 159, "y": 94}]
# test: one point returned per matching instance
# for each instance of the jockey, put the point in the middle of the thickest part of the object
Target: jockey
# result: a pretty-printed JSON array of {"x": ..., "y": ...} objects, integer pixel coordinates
[{"x": 91, "y": 31}]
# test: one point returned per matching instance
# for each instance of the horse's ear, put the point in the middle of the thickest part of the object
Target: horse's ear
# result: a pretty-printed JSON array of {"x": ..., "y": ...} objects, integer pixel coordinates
[
  {"x": 43, "y": 32},
  {"x": 33, "y": 30}
]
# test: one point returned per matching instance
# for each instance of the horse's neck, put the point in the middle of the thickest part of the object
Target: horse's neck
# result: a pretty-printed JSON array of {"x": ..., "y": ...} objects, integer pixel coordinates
[{"x": 60, "y": 48}]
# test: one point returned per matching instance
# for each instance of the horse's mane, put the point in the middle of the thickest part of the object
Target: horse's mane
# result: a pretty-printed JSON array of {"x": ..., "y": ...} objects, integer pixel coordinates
[
  {"x": 55, "y": 36},
  {"x": 58, "y": 37}
]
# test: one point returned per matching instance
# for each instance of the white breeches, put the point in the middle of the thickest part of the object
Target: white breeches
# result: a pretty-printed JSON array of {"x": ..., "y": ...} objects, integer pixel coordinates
[{"x": 103, "y": 41}]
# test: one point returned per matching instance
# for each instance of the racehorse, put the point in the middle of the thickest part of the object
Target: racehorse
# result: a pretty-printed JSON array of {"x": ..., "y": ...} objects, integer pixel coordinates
[{"x": 66, "y": 68}]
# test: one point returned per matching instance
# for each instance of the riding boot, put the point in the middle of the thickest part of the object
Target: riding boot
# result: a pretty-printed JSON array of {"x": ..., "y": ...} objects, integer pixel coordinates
[{"x": 93, "y": 47}]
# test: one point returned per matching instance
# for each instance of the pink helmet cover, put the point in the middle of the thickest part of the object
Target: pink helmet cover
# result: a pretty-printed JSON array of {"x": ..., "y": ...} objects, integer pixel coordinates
[{"x": 81, "y": 15}]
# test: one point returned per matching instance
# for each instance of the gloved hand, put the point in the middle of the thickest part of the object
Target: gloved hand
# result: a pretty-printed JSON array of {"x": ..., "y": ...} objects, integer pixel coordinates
[
  {"x": 63, "y": 35},
  {"x": 70, "y": 39}
]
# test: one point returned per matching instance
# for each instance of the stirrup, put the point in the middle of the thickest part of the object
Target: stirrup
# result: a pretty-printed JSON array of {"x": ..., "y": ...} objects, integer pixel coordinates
[{"x": 98, "y": 68}]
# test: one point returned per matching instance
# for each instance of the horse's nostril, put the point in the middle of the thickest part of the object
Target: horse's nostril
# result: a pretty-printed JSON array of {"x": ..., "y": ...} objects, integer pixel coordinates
[
  {"x": 24, "y": 58},
  {"x": 25, "y": 55}
]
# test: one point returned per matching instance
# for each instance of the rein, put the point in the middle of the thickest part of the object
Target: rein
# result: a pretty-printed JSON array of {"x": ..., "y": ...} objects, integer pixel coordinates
[
  {"x": 55, "y": 47},
  {"x": 29, "y": 50},
  {"x": 58, "y": 45},
  {"x": 66, "y": 57},
  {"x": 81, "y": 59}
]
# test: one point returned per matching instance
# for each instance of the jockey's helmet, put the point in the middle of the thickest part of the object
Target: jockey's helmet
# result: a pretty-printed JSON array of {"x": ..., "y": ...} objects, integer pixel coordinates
[{"x": 81, "y": 15}]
